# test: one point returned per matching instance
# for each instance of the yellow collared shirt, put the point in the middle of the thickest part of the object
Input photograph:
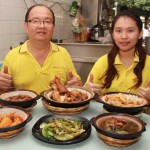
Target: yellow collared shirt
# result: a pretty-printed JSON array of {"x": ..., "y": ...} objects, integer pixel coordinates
[
  {"x": 27, "y": 73},
  {"x": 126, "y": 75}
]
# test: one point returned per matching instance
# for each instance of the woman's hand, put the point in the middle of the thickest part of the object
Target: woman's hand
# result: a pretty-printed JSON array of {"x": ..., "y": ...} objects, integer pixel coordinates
[
  {"x": 73, "y": 80},
  {"x": 145, "y": 92},
  {"x": 93, "y": 86},
  {"x": 5, "y": 80}
]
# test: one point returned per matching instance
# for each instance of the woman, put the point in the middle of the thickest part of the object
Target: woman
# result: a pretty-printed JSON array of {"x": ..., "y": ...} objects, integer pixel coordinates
[{"x": 126, "y": 67}]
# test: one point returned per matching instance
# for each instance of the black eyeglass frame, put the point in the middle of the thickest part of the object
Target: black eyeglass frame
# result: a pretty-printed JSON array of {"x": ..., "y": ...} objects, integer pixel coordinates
[{"x": 39, "y": 21}]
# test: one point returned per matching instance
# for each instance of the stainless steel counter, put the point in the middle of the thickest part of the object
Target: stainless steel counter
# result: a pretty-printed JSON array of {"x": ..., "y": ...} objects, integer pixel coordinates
[{"x": 85, "y": 54}]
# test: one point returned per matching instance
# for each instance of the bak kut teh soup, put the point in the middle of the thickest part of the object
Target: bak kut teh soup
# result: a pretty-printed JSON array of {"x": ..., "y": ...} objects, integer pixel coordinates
[{"x": 119, "y": 126}]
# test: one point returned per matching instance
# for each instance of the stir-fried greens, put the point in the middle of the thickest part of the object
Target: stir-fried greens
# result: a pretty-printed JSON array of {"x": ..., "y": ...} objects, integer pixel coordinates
[{"x": 62, "y": 129}]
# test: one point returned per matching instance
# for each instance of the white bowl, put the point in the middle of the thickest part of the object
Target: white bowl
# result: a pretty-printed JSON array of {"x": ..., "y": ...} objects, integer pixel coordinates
[{"x": 21, "y": 103}]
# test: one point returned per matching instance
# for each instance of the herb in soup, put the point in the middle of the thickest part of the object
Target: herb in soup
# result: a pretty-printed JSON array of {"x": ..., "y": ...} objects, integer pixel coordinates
[{"x": 118, "y": 126}]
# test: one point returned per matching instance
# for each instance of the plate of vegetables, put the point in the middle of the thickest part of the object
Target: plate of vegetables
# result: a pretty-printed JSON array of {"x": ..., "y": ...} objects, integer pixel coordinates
[{"x": 62, "y": 130}]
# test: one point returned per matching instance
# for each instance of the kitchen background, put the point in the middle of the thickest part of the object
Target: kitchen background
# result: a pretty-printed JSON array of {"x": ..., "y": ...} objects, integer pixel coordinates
[
  {"x": 12, "y": 13},
  {"x": 84, "y": 54}
]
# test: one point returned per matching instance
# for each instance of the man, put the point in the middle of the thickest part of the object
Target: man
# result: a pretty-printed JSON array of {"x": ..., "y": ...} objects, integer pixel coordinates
[{"x": 35, "y": 64}]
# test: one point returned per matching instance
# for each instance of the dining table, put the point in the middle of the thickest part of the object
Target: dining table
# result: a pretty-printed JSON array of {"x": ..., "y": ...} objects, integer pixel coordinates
[{"x": 26, "y": 140}]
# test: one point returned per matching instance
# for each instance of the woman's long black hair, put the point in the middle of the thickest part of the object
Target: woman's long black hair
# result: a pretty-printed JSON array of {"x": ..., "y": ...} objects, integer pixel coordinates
[{"x": 139, "y": 50}]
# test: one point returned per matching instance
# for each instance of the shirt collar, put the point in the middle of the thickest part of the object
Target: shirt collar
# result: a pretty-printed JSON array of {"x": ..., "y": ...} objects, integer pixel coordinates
[
  {"x": 24, "y": 47},
  {"x": 118, "y": 61},
  {"x": 54, "y": 47}
]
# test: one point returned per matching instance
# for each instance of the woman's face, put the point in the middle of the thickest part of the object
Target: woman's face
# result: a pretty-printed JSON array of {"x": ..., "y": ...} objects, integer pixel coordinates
[{"x": 126, "y": 33}]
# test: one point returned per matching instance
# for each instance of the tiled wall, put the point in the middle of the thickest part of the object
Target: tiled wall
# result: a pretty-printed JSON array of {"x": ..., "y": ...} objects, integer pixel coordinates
[
  {"x": 63, "y": 20},
  {"x": 12, "y": 14},
  {"x": 11, "y": 24}
]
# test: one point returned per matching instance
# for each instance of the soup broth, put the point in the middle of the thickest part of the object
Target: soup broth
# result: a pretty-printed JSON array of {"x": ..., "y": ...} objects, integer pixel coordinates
[{"x": 119, "y": 126}]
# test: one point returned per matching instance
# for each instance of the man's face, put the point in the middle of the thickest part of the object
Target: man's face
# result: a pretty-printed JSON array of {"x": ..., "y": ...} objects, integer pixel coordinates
[{"x": 40, "y": 27}]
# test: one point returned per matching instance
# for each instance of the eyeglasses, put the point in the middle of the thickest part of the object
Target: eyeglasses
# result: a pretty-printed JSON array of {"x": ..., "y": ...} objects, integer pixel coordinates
[{"x": 38, "y": 21}]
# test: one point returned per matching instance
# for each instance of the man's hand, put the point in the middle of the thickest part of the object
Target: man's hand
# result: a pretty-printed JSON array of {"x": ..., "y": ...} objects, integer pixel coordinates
[
  {"x": 72, "y": 80},
  {"x": 93, "y": 86},
  {"x": 5, "y": 79}
]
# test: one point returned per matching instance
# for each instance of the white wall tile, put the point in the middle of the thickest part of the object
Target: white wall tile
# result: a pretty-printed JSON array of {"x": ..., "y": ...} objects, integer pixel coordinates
[
  {"x": 3, "y": 54},
  {"x": 22, "y": 38},
  {"x": 5, "y": 27},
  {"x": 22, "y": 4},
  {"x": 6, "y": 41},
  {"x": 5, "y": 13},
  {"x": 15, "y": 41},
  {"x": 40, "y": 1},
  {"x": 12, "y": 13},
  {"x": 29, "y": 3},
  {"x": 5, "y": 2},
  {"x": 14, "y": 27},
  {"x": 1, "y": 33},
  {"x": 56, "y": 8},
  {"x": 21, "y": 13},
  {"x": 21, "y": 29},
  {"x": 15, "y": 3},
  {"x": 0, "y": 13},
  {"x": 0, "y": 43},
  {"x": 66, "y": 1}
]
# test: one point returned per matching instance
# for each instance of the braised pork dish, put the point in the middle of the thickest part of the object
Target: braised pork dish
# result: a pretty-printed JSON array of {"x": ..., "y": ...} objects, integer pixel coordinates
[
  {"x": 61, "y": 93},
  {"x": 18, "y": 98}
]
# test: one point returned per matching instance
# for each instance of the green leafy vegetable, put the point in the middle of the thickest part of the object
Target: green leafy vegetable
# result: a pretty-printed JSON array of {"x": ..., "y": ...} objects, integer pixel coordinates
[{"x": 62, "y": 129}]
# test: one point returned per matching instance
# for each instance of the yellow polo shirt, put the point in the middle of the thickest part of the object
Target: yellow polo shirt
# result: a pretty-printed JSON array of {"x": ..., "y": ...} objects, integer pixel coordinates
[
  {"x": 126, "y": 76},
  {"x": 28, "y": 74}
]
